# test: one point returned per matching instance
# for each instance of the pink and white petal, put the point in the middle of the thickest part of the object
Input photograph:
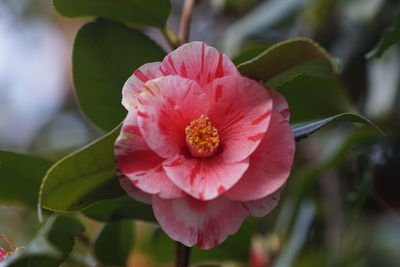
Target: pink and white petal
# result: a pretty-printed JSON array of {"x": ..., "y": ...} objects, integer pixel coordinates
[
  {"x": 195, "y": 222},
  {"x": 199, "y": 62},
  {"x": 133, "y": 191},
  {"x": 280, "y": 103},
  {"x": 241, "y": 112},
  {"x": 204, "y": 179},
  {"x": 270, "y": 164},
  {"x": 263, "y": 206},
  {"x": 135, "y": 84},
  {"x": 137, "y": 162},
  {"x": 166, "y": 107}
]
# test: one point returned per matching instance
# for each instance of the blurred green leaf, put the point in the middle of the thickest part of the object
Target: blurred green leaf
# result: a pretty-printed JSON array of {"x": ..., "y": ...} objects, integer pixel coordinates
[
  {"x": 250, "y": 51},
  {"x": 304, "y": 130},
  {"x": 122, "y": 208},
  {"x": 312, "y": 97},
  {"x": 144, "y": 12},
  {"x": 296, "y": 56},
  {"x": 51, "y": 245},
  {"x": 82, "y": 178},
  {"x": 389, "y": 38},
  {"x": 114, "y": 243},
  {"x": 20, "y": 177},
  {"x": 104, "y": 56}
]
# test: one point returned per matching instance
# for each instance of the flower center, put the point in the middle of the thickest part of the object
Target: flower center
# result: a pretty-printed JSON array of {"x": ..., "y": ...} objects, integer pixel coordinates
[{"x": 201, "y": 137}]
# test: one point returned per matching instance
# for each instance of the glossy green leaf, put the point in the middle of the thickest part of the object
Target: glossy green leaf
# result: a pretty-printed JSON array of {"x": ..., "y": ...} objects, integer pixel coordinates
[
  {"x": 104, "y": 56},
  {"x": 389, "y": 38},
  {"x": 123, "y": 208},
  {"x": 250, "y": 51},
  {"x": 312, "y": 97},
  {"x": 20, "y": 177},
  {"x": 114, "y": 243},
  {"x": 82, "y": 178},
  {"x": 51, "y": 245},
  {"x": 296, "y": 56},
  {"x": 304, "y": 130},
  {"x": 145, "y": 12}
]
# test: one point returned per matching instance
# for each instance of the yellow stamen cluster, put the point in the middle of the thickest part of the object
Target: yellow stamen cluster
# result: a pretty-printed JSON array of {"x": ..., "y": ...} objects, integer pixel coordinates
[{"x": 201, "y": 137}]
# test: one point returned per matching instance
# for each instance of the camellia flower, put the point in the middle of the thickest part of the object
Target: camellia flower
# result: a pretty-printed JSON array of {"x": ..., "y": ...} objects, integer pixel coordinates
[
  {"x": 205, "y": 146},
  {"x": 3, "y": 254}
]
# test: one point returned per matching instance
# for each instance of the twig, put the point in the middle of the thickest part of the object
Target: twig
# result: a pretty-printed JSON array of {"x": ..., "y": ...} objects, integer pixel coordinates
[
  {"x": 10, "y": 244},
  {"x": 182, "y": 255},
  {"x": 185, "y": 21}
]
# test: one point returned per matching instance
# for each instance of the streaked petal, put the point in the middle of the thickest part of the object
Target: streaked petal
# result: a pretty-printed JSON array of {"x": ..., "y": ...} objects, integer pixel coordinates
[
  {"x": 199, "y": 62},
  {"x": 139, "y": 163},
  {"x": 241, "y": 112},
  {"x": 204, "y": 179},
  {"x": 195, "y": 222},
  {"x": 270, "y": 164},
  {"x": 135, "y": 84}
]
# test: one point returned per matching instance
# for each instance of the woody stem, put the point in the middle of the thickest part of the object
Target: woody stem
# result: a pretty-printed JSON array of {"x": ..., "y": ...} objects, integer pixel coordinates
[
  {"x": 182, "y": 255},
  {"x": 10, "y": 245},
  {"x": 185, "y": 21}
]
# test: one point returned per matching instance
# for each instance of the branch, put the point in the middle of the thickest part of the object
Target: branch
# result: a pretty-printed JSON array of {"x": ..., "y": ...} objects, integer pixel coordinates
[
  {"x": 185, "y": 21},
  {"x": 182, "y": 255}
]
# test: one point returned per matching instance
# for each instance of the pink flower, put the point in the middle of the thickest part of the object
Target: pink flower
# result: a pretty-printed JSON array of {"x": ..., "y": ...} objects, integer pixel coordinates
[
  {"x": 204, "y": 145},
  {"x": 3, "y": 254}
]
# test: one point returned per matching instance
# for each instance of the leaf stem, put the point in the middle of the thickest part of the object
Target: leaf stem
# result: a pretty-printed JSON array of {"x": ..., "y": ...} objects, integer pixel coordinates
[
  {"x": 170, "y": 36},
  {"x": 185, "y": 21},
  {"x": 182, "y": 255}
]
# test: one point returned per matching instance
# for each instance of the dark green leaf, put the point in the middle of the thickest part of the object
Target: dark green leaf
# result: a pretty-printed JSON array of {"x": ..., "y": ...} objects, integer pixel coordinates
[
  {"x": 104, "y": 56},
  {"x": 20, "y": 177},
  {"x": 51, "y": 245},
  {"x": 312, "y": 98},
  {"x": 122, "y": 208},
  {"x": 145, "y": 12},
  {"x": 114, "y": 243},
  {"x": 389, "y": 38},
  {"x": 250, "y": 51},
  {"x": 296, "y": 56},
  {"x": 82, "y": 178},
  {"x": 304, "y": 130}
]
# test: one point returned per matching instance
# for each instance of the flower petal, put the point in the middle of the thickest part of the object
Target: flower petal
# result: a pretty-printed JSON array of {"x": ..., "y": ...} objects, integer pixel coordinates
[
  {"x": 263, "y": 206},
  {"x": 204, "y": 179},
  {"x": 199, "y": 62},
  {"x": 142, "y": 166},
  {"x": 270, "y": 164},
  {"x": 133, "y": 191},
  {"x": 135, "y": 84},
  {"x": 195, "y": 222},
  {"x": 241, "y": 112},
  {"x": 280, "y": 103},
  {"x": 166, "y": 107}
]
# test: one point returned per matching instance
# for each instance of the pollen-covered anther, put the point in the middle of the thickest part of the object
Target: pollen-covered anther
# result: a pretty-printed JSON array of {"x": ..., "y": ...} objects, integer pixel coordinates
[{"x": 201, "y": 137}]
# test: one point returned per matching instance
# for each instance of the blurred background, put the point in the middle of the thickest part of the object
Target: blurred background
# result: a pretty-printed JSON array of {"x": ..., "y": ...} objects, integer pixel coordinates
[{"x": 341, "y": 206}]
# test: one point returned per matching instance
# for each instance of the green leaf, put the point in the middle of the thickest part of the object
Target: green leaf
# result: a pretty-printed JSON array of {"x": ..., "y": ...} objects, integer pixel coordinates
[
  {"x": 312, "y": 98},
  {"x": 123, "y": 208},
  {"x": 296, "y": 56},
  {"x": 389, "y": 38},
  {"x": 114, "y": 243},
  {"x": 144, "y": 12},
  {"x": 20, "y": 177},
  {"x": 51, "y": 245},
  {"x": 304, "y": 130},
  {"x": 250, "y": 51},
  {"x": 104, "y": 56},
  {"x": 82, "y": 178}
]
